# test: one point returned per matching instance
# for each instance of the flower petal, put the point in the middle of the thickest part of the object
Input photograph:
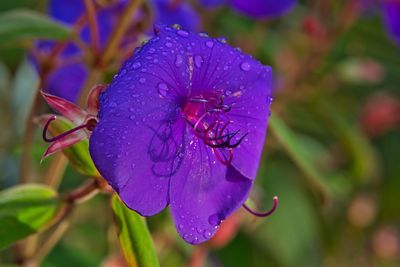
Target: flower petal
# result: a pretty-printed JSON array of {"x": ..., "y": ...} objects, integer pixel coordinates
[
  {"x": 245, "y": 85},
  {"x": 263, "y": 8},
  {"x": 204, "y": 192},
  {"x": 136, "y": 144}
]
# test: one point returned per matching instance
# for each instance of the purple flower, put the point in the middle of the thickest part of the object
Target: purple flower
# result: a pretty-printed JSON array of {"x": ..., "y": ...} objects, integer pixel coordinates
[
  {"x": 68, "y": 76},
  {"x": 256, "y": 8},
  {"x": 391, "y": 12},
  {"x": 183, "y": 124},
  {"x": 171, "y": 12}
]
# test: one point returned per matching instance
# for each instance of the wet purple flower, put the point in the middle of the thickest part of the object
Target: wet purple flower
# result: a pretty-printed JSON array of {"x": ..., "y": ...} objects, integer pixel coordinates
[
  {"x": 183, "y": 124},
  {"x": 391, "y": 12},
  {"x": 256, "y": 8}
]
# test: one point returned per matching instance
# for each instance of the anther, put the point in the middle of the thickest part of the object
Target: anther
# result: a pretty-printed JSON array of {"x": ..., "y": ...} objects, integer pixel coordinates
[{"x": 263, "y": 214}]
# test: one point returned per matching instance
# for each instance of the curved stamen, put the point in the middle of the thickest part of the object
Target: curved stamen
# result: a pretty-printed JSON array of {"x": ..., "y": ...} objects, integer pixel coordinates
[
  {"x": 263, "y": 214},
  {"x": 89, "y": 125}
]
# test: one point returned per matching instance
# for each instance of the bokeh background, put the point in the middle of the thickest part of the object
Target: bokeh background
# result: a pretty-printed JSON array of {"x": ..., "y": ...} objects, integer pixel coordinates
[{"x": 332, "y": 151}]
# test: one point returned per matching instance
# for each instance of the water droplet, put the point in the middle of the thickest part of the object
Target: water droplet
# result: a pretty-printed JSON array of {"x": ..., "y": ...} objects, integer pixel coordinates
[
  {"x": 214, "y": 220},
  {"x": 245, "y": 66},
  {"x": 133, "y": 165},
  {"x": 198, "y": 61},
  {"x": 142, "y": 80},
  {"x": 180, "y": 226},
  {"x": 209, "y": 44},
  {"x": 176, "y": 26},
  {"x": 136, "y": 65},
  {"x": 178, "y": 61},
  {"x": 269, "y": 100},
  {"x": 168, "y": 44},
  {"x": 228, "y": 92},
  {"x": 203, "y": 34},
  {"x": 163, "y": 89},
  {"x": 183, "y": 33},
  {"x": 152, "y": 50},
  {"x": 222, "y": 40},
  {"x": 132, "y": 117},
  {"x": 207, "y": 234}
]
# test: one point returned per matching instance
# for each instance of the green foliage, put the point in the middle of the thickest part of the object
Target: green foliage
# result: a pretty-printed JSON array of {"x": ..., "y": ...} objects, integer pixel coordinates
[
  {"x": 134, "y": 236},
  {"x": 24, "y": 25},
  {"x": 298, "y": 153},
  {"x": 24, "y": 210}
]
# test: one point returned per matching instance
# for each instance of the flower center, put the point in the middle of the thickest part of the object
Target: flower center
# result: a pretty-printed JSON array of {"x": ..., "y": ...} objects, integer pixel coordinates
[{"x": 209, "y": 118}]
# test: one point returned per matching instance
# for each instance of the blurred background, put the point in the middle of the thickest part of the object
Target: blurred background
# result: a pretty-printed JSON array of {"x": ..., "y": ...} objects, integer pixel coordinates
[{"x": 332, "y": 151}]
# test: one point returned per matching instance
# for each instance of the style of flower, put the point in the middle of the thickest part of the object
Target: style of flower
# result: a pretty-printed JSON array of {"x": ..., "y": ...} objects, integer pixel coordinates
[
  {"x": 183, "y": 124},
  {"x": 256, "y": 8}
]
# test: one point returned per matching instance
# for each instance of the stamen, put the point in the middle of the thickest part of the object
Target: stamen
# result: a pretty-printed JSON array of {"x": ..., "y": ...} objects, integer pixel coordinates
[
  {"x": 263, "y": 214},
  {"x": 89, "y": 125},
  {"x": 198, "y": 100}
]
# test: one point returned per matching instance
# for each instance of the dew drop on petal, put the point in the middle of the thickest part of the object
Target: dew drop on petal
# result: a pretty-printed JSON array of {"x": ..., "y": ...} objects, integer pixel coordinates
[
  {"x": 180, "y": 226},
  {"x": 207, "y": 234},
  {"x": 198, "y": 61},
  {"x": 132, "y": 117},
  {"x": 142, "y": 80},
  {"x": 245, "y": 66},
  {"x": 183, "y": 33},
  {"x": 168, "y": 44},
  {"x": 136, "y": 65},
  {"x": 214, "y": 220},
  {"x": 209, "y": 44},
  {"x": 163, "y": 89},
  {"x": 178, "y": 60}
]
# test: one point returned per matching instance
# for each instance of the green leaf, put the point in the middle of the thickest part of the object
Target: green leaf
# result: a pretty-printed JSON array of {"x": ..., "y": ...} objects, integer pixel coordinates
[
  {"x": 297, "y": 151},
  {"x": 134, "y": 236},
  {"x": 22, "y": 25},
  {"x": 78, "y": 154},
  {"x": 24, "y": 210}
]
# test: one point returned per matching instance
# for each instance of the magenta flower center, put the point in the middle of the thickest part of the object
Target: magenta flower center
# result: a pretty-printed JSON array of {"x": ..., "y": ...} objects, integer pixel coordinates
[{"x": 209, "y": 118}]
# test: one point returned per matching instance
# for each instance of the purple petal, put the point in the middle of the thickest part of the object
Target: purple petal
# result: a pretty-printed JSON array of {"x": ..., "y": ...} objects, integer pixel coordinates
[
  {"x": 263, "y": 8},
  {"x": 391, "y": 9},
  {"x": 137, "y": 140},
  {"x": 204, "y": 192},
  {"x": 168, "y": 12},
  {"x": 246, "y": 86}
]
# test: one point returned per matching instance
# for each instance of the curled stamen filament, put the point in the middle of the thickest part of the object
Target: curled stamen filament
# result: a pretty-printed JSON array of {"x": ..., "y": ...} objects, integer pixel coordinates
[
  {"x": 263, "y": 214},
  {"x": 88, "y": 124}
]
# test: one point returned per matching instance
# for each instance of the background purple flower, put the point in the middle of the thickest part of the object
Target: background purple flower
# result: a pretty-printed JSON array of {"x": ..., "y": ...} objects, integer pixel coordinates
[
  {"x": 169, "y": 12},
  {"x": 391, "y": 13},
  {"x": 67, "y": 79},
  {"x": 171, "y": 119},
  {"x": 256, "y": 8}
]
